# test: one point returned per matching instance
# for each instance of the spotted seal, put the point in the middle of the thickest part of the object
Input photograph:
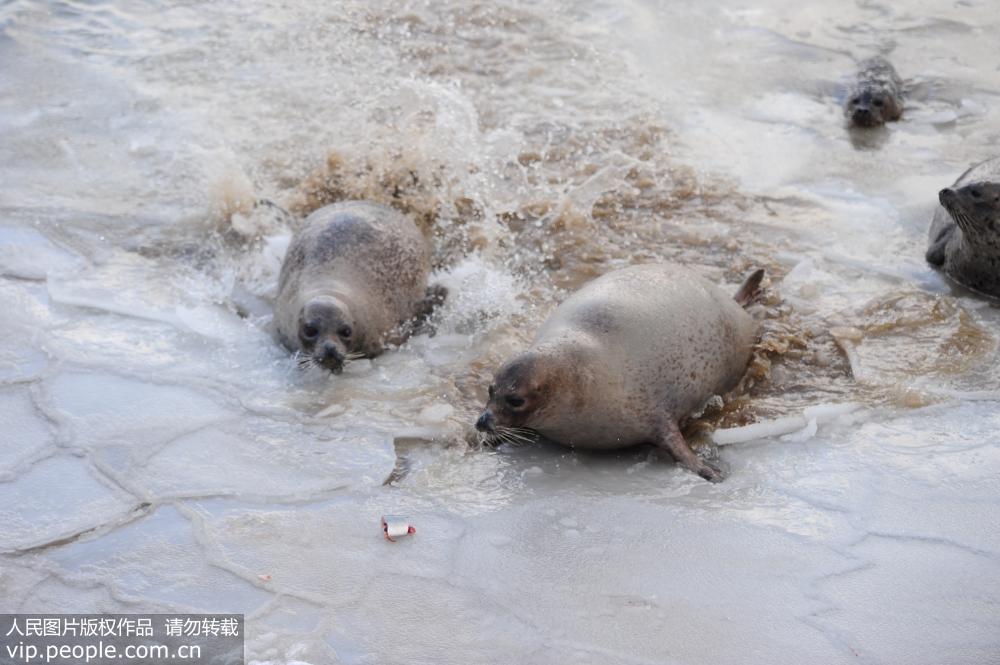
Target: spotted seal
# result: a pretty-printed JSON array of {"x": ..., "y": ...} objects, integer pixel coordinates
[
  {"x": 964, "y": 239},
  {"x": 624, "y": 359},
  {"x": 353, "y": 280},
  {"x": 876, "y": 95}
]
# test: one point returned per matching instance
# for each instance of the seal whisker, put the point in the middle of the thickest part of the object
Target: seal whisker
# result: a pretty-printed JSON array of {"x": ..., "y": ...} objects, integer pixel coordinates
[
  {"x": 504, "y": 437},
  {"x": 514, "y": 436}
]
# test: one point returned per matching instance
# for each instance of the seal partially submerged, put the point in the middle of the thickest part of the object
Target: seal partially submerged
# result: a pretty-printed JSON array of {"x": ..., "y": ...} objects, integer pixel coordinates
[
  {"x": 625, "y": 358},
  {"x": 353, "y": 280},
  {"x": 876, "y": 95},
  {"x": 964, "y": 237}
]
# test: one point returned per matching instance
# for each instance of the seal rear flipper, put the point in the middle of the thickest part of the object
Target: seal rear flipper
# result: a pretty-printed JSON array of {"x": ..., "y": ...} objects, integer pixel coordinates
[
  {"x": 673, "y": 441},
  {"x": 751, "y": 290}
]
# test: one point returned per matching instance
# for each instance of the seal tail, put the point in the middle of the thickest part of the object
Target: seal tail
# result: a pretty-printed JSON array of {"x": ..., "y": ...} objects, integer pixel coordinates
[{"x": 751, "y": 290}]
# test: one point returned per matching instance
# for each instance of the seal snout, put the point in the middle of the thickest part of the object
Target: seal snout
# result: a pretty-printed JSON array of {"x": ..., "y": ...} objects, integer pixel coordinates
[
  {"x": 947, "y": 196},
  {"x": 486, "y": 423},
  {"x": 864, "y": 117},
  {"x": 331, "y": 358}
]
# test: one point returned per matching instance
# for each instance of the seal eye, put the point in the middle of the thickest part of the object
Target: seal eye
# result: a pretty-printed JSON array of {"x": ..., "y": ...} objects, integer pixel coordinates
[
  {"x": 344, "y": 331},
  {"x": 309, "y": 331},
  {"x": 515, "y": 402},
  {"x": 491, "y": 391},
  {"x": 854, "y": 101},
  {"x": 878, "y": 102}
]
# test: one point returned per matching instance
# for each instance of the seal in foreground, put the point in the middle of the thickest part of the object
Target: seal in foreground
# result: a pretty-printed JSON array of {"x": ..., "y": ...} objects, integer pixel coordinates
[
  {"x": 353, "y": 280},
  {"x": 876, "y": 96},
  {"x": 964, "y": 238},
  {"x": 625, "y": 358}
]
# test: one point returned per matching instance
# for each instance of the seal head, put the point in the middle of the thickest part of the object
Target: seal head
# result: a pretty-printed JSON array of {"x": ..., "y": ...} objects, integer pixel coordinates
[
  {"x": 326, "y": 333},
  {"x": 974, "y": 207},
  {"x": 521, "y": 390},
  {"x": 876, "y": 96},
  {"x": 871, "y": 107}
]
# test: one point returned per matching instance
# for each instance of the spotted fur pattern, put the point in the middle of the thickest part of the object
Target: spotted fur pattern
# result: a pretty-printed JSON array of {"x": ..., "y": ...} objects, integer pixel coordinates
[
  {"x": 368, "y": 256},
  {"x": 628, "y": 352}
]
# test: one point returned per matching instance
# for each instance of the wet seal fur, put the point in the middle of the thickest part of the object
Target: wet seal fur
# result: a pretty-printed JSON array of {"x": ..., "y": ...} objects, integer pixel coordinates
[
  {"x": 876, "y": 95},
  {"x": 354, "y": 279},
  {"x": 624, "y": 359},
  {"x": 964, "y": 240}
]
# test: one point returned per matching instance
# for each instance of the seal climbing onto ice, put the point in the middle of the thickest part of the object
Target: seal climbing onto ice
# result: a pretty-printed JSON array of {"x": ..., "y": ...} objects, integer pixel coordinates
[
  {"x": 624, "y": 359},
  {"x": 964, "y": 239},
  {"x": 876, "y": 95},
  {"x": 353, "y": 280}
]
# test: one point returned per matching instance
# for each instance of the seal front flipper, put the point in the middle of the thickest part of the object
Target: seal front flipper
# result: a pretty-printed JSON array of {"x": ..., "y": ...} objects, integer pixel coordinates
[
  {"x": 673, "y": 441},
  {"x": 419, "y": 322},
  {"x": 436, "y": 295},
  {"x": 936, "y": 252}
]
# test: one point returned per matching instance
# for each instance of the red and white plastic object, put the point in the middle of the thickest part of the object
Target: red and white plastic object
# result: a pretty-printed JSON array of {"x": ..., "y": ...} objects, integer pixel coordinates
[{"x": 394, "y": 526}]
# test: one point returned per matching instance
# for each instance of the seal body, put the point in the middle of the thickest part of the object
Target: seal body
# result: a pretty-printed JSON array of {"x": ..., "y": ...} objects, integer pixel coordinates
[
  {"x": 353, "y": 274},
  {"x": 624, "y": 359},
  {"x": 964, "y": 240},
  {"x": 876, "y": 94}
]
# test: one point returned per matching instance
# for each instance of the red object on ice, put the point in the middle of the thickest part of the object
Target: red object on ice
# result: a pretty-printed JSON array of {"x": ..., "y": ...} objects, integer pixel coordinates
[{"x": 394, "y": 525}]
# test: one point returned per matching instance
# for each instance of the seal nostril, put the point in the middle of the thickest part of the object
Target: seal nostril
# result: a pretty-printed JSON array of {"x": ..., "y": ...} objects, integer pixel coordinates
[
  {"x": 331, "y": 352},
  {"x": 485, "y": 422}
]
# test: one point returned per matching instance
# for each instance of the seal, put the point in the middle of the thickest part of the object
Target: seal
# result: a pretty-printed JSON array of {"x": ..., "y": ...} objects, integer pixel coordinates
[
  {"x": 624, "y": 360},
  {"x": 354, "y": 279},
  {"x": 876, "y": 95},
  {"x": 964, "y": 239}
]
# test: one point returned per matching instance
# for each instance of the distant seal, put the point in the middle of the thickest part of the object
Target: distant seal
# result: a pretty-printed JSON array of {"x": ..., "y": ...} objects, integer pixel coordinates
[
  {"x": 353, "y": 277},
  {"x": 964, "y": 240},
  {"x": 624, "y": 359},
  {"x": 876, "y": 95}
]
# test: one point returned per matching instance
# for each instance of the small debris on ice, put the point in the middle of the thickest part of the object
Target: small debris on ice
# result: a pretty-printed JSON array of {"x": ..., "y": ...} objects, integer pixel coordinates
[{"x": 394, "y": 526}]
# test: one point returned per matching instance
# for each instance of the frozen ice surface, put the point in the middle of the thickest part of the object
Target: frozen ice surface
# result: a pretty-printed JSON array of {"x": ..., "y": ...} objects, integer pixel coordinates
[
  {"x": 132, "y": 286},
  {"x": 27, "y": 254},
  {"x": 56, "y": 498},
  {"x": 254, "y": 458},
  {"x": 158, "y": 452},
  {"x": 100, "y": 408},
  {"x": 892, "y": 584},
  {"x": 26, "y": 314},
  {"x": 159, "y": 560},
  {"x": 26, "y": 432}
]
